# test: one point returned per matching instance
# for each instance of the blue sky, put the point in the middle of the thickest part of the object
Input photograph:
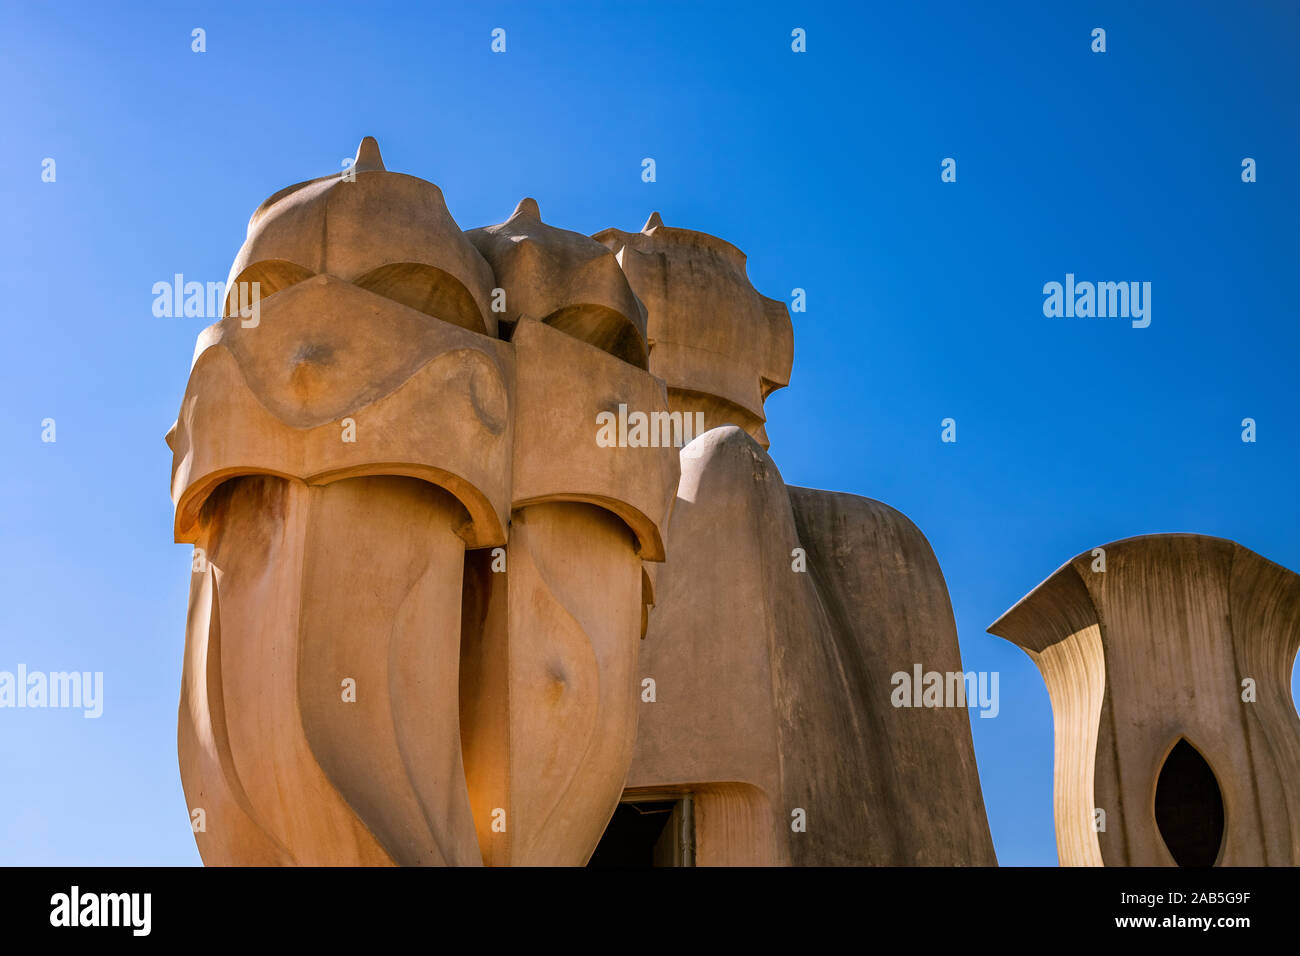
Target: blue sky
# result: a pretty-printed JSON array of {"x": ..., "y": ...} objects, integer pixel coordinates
[{"x": 924, "y": 298}]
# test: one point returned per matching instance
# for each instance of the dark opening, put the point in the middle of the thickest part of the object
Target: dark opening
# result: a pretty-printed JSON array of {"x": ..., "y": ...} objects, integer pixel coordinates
[
  {"x": 1189, "y": 807},
  {"x": 640, "y": 834}
]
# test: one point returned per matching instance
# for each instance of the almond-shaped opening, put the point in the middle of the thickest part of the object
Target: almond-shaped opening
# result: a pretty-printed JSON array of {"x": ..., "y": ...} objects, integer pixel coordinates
[{"x": 1189, "y": 807}]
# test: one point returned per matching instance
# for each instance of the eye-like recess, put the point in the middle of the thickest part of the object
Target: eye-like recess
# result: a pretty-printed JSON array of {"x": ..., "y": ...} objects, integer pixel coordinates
[
  {"x": 1189, "y": 807},
  {"x": 602, "y": 327},
  {"x": 271, "y": 276},
  {"x": 426, "y": 289}
]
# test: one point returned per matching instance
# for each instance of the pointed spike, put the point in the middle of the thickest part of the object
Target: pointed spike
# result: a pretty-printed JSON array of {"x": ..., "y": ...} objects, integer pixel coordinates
[
  {"x": 368, "y": 156},
  {"x": 654, "y": 222},
  {"x": 527, "y": 207}
]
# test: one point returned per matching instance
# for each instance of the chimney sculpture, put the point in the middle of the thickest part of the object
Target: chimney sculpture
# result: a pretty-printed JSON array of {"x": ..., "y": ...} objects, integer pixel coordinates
[{"x": 429, "y": 478}]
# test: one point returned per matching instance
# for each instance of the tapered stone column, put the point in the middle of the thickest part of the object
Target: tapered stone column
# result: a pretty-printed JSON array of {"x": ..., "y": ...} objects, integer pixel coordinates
[{"x": 1168, "y": 660}]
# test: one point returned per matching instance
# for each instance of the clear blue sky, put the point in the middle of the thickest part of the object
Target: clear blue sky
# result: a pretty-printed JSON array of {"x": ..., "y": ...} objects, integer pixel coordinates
[{"x": 924, "y": 298}]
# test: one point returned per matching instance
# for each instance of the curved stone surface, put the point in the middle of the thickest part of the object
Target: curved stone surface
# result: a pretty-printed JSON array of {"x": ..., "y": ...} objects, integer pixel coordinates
[
  {"x": 557, "y": 456},
  {"x": 721, "y": 347},
  {"x": 565, "y": 279},
  {"x": 328, "y": 226},
  {"x": 774, "y": 685},
  {"x": 549, "y": 686},
  {"x": 447, "y": 422},
  {"x": 258, "y": 753}
]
